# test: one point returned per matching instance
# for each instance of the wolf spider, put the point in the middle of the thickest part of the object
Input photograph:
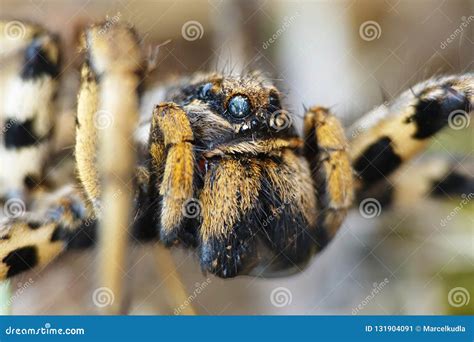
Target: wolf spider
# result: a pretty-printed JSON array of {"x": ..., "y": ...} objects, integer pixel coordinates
[{"x": 220, "y": 167}]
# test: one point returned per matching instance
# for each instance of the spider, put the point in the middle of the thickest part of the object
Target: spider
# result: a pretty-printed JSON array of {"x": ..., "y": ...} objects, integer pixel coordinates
[{"x": 220, "y": 167}]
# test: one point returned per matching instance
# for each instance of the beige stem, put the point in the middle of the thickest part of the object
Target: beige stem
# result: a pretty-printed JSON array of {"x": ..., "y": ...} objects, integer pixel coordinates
[
  {"x": 173, "y": 284},
  {"x": 116, "y": 167}
]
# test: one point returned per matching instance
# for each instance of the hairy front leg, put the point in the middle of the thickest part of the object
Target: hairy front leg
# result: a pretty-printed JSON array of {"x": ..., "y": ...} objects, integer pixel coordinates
[
  {"x": 172, "y": 167},
  {"x": 326, "y": 149}
]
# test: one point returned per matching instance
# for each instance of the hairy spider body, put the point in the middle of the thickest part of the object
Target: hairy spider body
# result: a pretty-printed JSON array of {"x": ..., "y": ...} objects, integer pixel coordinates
[
  {"x": 239, "y": 170},
  {"x": 220, "y": 167}
]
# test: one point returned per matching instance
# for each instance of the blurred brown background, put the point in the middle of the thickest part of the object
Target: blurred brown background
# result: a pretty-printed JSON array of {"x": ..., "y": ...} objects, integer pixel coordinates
[{"x": 350, "y": 55}]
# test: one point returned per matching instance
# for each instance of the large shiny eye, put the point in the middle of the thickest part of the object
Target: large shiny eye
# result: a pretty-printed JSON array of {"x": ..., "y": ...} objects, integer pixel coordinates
[{"x": 239, "y": 106}]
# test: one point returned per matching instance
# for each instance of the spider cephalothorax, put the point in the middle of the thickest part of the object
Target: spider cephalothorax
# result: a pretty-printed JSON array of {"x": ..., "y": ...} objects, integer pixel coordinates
[
  {"x": 224, "y": 109},
  {"x": 221, "y": 168}
]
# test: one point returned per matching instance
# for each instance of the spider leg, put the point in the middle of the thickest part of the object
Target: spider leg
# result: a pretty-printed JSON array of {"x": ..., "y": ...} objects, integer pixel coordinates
[
  {"x": 326, "y": 149},
  {"x": 392, "y": 134},
  {"x": 172, "y": 167},
  {"x": 107, "y": 72},
  {"x": 28, "y": 86},
  {"x": 86, "y": 135},
  {"x": 432, "y": 177},
  {"x": 59, "y": 221}
]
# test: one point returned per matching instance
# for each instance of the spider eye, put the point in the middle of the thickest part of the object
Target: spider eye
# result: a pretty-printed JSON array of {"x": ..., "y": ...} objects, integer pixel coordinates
[
  {"x": 274, "y": 100},
  {"x": 205, "y": 91},
  {"x": 239, "y": 106}
]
